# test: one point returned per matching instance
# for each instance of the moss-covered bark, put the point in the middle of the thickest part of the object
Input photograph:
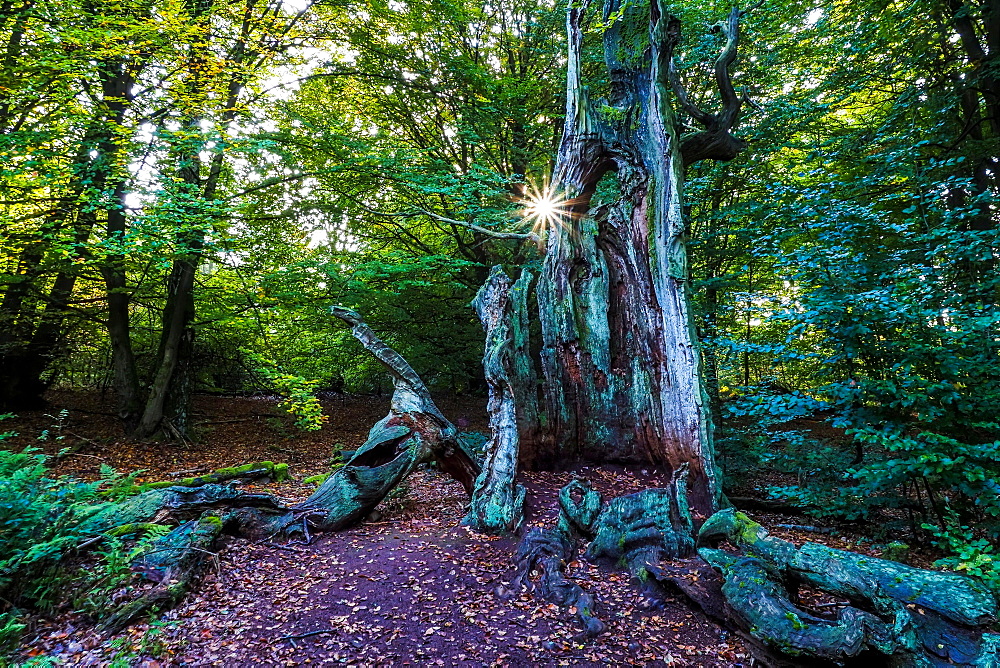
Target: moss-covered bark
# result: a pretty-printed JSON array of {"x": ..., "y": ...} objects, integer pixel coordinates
[
  {"x": 619, "y": 357},
  {"x": 497, "y": 501},
  {"x": 259, "y": 470},
  {"x": 895, "y": 615}
]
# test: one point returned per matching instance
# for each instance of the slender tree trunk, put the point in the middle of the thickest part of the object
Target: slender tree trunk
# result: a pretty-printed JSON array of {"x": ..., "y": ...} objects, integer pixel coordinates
[
  {"x": 36, "y": 330},
  {"x": 116, "y": 82},
  {"x": 622, "y": 374},
  {"x": 166, "y": 408},
  {"x": 979, "y": 113}
]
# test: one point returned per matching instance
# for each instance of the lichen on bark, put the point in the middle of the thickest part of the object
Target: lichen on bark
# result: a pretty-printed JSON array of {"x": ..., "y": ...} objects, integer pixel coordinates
[{"x": 497, "y": 500}]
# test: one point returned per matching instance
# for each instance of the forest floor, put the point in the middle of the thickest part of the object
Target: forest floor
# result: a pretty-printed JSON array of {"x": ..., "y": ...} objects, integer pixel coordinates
[{"x": 413, "y": 587}]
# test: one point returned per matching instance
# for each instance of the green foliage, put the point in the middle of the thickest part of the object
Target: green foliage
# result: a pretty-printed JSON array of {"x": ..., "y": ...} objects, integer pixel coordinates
[
  {"x": 10, "y": 632},
  {"x": 59, "y": 423},
  {"x": 100, "y": 586},
  {"x": 299, "y": 400},
  {"x": 847, "y": 271},
  {"x": 969, "y": 552},
  {"x": 42, "y": 522},
  {"x": 756, "y": 435}
]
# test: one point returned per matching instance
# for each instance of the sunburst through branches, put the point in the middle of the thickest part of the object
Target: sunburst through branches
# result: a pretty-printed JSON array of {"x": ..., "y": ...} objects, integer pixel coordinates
[{"x": 544, "y": 209}]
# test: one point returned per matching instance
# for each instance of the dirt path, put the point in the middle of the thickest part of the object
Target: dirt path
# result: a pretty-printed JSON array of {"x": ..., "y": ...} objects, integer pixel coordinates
[
  {"x": 418, "y": 589},
  {"x": 412, "y": 588}
]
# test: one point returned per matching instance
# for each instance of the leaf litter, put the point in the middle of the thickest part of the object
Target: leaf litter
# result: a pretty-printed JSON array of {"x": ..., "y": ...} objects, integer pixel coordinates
[{"x": 412, "y": 587}]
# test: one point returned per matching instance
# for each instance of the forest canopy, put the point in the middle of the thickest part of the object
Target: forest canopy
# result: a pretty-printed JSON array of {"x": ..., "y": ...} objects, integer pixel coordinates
[{"x": 187, "y": 187}]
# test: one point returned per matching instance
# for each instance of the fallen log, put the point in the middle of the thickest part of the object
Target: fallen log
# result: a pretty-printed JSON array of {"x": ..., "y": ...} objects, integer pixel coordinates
[
  {"x": 415, "y": 431},
  {"x": 256, "y": 471}
]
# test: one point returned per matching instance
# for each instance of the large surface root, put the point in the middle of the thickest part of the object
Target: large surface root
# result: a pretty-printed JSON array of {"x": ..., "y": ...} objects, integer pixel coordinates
[
  {"x": 883, "y": 613},
  {"x": 636, "y": 531},
  {"x": 890, "y": 614}
]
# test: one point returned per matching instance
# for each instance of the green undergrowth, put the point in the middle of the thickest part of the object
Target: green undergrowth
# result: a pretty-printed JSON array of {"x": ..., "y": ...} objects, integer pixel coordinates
[
  {"x": 42, "y": 520},
  {"x": 921, "y": 480},
  {"x": 50, "y": 562}
]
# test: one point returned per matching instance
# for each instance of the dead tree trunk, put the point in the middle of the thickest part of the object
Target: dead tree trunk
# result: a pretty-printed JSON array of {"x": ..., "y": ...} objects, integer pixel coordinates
[
  {"x": 413, "y": 432},
  {"x": 622, "y": 373},
  {"x": 497, "y": 501}
]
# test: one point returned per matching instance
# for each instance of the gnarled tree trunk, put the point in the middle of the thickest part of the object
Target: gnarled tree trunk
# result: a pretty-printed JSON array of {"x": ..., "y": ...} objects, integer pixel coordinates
[
  {"x": 622, "y": 372},
  {"x": 413, "y": 432},
  {"x": 497, "y": 501}
]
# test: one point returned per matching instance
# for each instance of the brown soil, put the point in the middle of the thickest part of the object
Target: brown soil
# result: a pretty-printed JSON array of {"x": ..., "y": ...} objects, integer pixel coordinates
[{"x": 413, "y": 587}]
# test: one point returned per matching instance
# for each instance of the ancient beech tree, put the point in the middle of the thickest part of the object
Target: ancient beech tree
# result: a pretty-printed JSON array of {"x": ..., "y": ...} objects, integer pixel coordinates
[
  {"x": 621, "y": 369},
  {"x": 621, "y": 382}
]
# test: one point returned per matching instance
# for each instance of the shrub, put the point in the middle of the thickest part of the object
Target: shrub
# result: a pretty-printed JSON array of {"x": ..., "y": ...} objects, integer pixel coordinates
[{"x": 299, "y": 400}]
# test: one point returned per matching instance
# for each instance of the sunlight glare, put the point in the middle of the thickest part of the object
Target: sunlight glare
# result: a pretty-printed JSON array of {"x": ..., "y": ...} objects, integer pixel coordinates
[{"x": 544, "y": 209}]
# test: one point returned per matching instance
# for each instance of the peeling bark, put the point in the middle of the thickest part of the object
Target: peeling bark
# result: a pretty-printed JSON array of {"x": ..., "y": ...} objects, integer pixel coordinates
[
  {"x": 497, "y": 501},
  {"x": 622, "y": 373}
]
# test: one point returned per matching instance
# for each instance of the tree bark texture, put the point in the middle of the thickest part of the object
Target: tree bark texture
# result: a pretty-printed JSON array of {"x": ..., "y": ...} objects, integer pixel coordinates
[
  {"x": 498, "y": 501},
  {"x": 534, "y": 450},
  {"x": 622, "y": 373},
  {"x": 889, "y": 614},
  {"x": 414, "y": 431}
]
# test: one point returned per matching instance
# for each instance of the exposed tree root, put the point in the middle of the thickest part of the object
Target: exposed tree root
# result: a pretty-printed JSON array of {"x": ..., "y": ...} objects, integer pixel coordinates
[
  {"x": 885, "y": 613},
  {"x": 548, "y": 551},
  {"x": 895, "y": 613},
  {"x": 634, "y": 531},
  {"x": 412, "y": 433}
]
